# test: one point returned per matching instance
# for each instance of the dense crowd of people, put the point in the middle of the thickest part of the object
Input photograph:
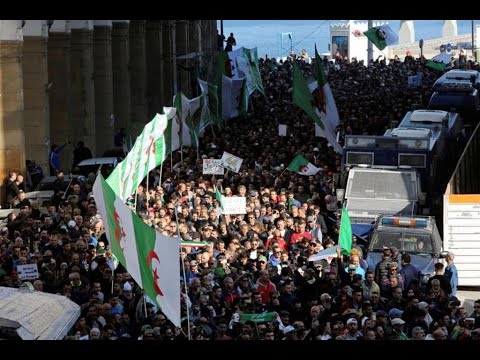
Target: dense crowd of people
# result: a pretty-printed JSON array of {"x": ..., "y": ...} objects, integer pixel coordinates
[{"x": 255, "y": 263}]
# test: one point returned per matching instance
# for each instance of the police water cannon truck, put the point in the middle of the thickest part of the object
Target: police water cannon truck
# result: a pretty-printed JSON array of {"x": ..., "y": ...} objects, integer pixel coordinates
[{"x": 458, "y": 89}]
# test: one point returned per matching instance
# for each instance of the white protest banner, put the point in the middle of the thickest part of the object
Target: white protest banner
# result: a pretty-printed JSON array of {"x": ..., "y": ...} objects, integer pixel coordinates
[
  {"x": 27, "y": 272},
  {"x": 282, "y": 130},
  {"x": 318, "y": 131},
  {"x": 234, "y": 205},
  {"x": 231, "y": 162},
  {"x": 213, "y": 167}
]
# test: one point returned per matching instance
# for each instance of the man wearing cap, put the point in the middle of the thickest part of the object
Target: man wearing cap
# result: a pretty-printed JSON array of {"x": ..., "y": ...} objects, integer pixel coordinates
[
  {"x": 354, "y": 264},
  {"x": 314, "y": 228},
  {"x": 290, "y": 333},
  {"x": 194, "y": 271},
  {"x": 381, "y": 269},
  {"x": 397, "y": 330},
  {"x": 352, "y": 330}
]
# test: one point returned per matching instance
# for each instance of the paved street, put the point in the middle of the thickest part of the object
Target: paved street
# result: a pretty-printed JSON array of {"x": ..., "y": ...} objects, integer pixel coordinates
[{"x": 467, "y": 297}]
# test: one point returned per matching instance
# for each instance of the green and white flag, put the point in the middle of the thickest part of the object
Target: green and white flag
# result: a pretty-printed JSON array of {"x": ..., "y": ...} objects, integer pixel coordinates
[
  {"x": 211, "y": 102},
  {"x": 439, "y": 61},
  {"x": 234, "y": 98},
  {"x": 173, "y": 134},
  {"x": 151, "y": 258},
  {"x": 345, "y": 237},
  {"x": 182, "y": 104},
  {"x": 381, "y": 36},
  {"x": 302, "y": 166},
  {"x": 148, "y": 152},
  {"x": 219, "y": 197},
  {"x": 258, "y": 318},
  {"x": 303, "y": 98},
  {"x": 246, "y": 63},
  {"x": 323, "y": 97}
]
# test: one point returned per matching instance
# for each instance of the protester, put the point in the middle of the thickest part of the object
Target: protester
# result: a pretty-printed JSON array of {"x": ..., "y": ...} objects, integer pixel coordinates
[{"x": 253, "y": 263}]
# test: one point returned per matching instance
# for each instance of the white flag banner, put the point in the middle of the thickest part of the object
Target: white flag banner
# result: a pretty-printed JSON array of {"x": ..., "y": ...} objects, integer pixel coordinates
[{"x": 231, "y": 162}]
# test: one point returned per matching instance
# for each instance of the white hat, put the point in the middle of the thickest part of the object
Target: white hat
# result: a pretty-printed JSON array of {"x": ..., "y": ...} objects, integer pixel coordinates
[
  {"x": 127, "y": 286},
  {"x": 351, "y": 321},
  {"x": 398, "y": 321},
  {"x": 316, "y": 149},
  {"x": 422, "y": 305},
  {"x": 71, "y": 224}
]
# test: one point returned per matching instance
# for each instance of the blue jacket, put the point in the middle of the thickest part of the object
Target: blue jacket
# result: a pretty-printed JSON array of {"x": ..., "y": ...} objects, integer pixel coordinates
[
  {"x": 55, "y": 157},
  {"x": 452, "y": 274},
  {"x": 409, "y": 272}
]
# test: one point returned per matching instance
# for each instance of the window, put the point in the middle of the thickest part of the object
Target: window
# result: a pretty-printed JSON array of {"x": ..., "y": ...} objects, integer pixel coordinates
[{"x": 340, "y": 45}]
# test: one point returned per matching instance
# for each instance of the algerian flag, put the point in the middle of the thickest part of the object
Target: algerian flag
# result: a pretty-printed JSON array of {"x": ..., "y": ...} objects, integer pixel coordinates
[
  {"x": 345, "y": 236},
  {"x": 149, "y": 151},
  {"x": 182, "y": 104},
  {"x": 381, "y": 36},
  {"x": 211, "y": 102},
  {"x": 323, "y": 97},
  {"x": 219, "y": 197},
  {"x": 150, "y": 257},
  {"x": 439, "y": 61},
  {"x": 160, "y": 266},
  {"x": 234, "y": 98},
  {"x": 303, "y": 98},
  {"x": 302, "y": 166},
  {"x": 119, "y": 228},
  {"x": 246, "y": 62}
]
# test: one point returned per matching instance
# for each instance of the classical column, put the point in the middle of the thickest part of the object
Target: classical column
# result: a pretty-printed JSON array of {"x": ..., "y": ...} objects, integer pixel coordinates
[
  {"x": 449, "y": 28},
  {"x": 59, "y": 90},
  {"x": 138, "y": 76},
  {"x": 166, "y": 64},
  {"x": 407, "y": 32},
  {"x": 154, "y": 90},
  {"x": 194, "y": 47},
  {"x": 83, "y": 88},
  {"x": 103, "y": 81},
  {"x": 12, "y": 144},
  {"x": 35, "y": 92},
  {"x": 182, "y": 49},
  {"x": 121, "y": 73}
]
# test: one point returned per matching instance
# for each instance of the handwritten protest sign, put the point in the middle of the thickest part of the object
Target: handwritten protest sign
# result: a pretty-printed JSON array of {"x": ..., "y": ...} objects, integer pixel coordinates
[
  {"x": 27, "y": 272},
  {"x": 213, "y": 167},
  {"x": 231, "y": 162}
]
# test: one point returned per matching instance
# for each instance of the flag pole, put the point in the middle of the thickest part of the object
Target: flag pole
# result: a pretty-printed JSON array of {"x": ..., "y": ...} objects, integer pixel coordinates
[
  {"x": 184, "y": 274},
  {"x": 112, "y": 278},
  {"x": 145, "y": 304},
  {"x": 283, "y": 172},
  {"x": 161, "y": 173},
  {"x": 135, "y": 209}
]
